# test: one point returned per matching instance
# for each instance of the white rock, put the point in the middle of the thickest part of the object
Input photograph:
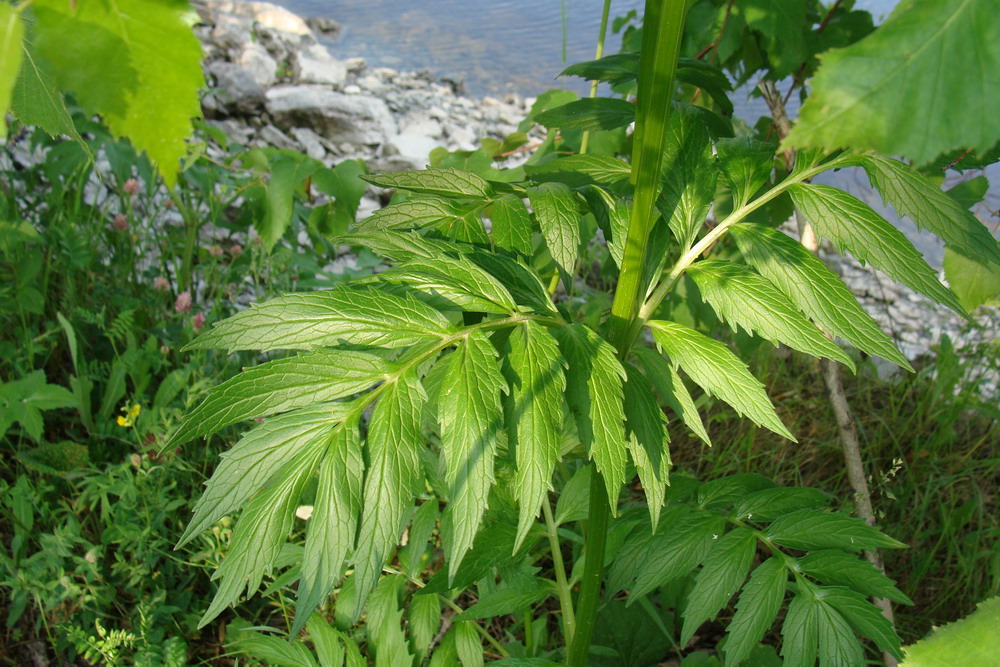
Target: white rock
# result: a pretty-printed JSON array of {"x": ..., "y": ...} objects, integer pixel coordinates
[
  {"x": 272, "y": 136},
  {"x": 272, "y": 17},
  {"x": 352, "y": 89},
  {"x": 231, "y": 32},
  {"x": 356, "y": 119},
  {"x": 316, "y": 65},
  {"x": 414, "y": 148},
  {"x": 255, "y": 59},
  {"x": 462, "y": 136},
  {"x": 355, "y": 65},
  {"x": 310, "y": 141},
  {"x": 425, "y": 126}
]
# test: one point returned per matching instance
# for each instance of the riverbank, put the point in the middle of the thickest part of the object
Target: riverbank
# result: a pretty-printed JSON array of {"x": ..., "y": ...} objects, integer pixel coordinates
[{"x": 275, "y": 84}]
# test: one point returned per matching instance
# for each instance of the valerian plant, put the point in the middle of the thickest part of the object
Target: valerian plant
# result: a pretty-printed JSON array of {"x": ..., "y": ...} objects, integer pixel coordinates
[{"x": 464, "y": 377}]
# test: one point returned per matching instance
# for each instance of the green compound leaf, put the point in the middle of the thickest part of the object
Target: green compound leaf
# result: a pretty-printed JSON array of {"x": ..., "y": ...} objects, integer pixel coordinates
[
  {"x": 590, "y": 114},
  {"x": 385, "y": 623},
  {"x": 262, "y": 530},
  {"x": 722, "y": 574},
  {"x": 746, "y": 165},
  {"x": 689, "y": 174},
  {"x": 756, "y": 610},
  {"x": 443, "y": 181},
  {"x": 656, "y": 560},
  {"x": 333, "y": 524},
  {"x": 672, "y": 390},
  {"x": 459, "y": 281},
  {"x": 519, "y": 279},
  {"x": 399, "y": 246},
  {"x": 837, "y": 568},
  {"x": 864, "y": 618},
  {"x": 534, "y": 370},
  {"x": 769, "y": 504},
  {"x": 931, "y": 208},
  {"x": 281, "y": 385},
  {"x": 415, "y": 213},
  {"x": 392, "y": 479},
  {"x": 837, "y": 643},
  {"x": 136, "y": 63},
  {"x": 11, "y": 55},
  {"x": 648, "y": 441},
  {"x": 719, "y": 372},
  {"x": 250, "y": 463},
  {"x": 558, "y": 215},
  {"x": 580, "y": 170},
  {"x": 594, "y": 393},
  {"x": 512, "y": 224},
  {"x": 276, "y": 651},
  {"x": 423, "y": 618},
  {"x": 854, "y": 227},
  {"x": 321, "y": 319},
  {"x": 468, "y": 644},
  {"x": 742, "y": 298},
  {"x": 471, "y": 419},
  {"x": 972, "y": 639},
  {"x": 814, "y": 288},
  {"x": 326, "y": 640},
  {"x": 902, "y": 105},
  {"x": 288, "y": 175},
  {"x": 800, "y": 632},
  {"x": 816, "y": 529}
]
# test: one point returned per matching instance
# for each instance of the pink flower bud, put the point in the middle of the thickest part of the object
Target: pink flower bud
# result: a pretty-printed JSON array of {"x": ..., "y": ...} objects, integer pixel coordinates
[
  {"x": 215, "y": 251},
  {"x": 120, "y": 222},
  {"x": 198, "y": 321},
  {"x": 161, "y": 284},
  {"x": 131, "y": 187},
  {"x": 236, "y": 250},
  {"x": 183, "y": 303}
]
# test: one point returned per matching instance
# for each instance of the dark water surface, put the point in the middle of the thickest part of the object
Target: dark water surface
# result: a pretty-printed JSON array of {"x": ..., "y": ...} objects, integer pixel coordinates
[{"x": 495, "y": 46}]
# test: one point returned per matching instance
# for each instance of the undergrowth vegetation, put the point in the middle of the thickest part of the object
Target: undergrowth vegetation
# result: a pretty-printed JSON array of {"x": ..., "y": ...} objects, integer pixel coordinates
[{"x": 523, "y": 425}]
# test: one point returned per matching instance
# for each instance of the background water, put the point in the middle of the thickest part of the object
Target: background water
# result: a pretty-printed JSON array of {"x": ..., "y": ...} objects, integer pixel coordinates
[{"x": 495, "y": 46}]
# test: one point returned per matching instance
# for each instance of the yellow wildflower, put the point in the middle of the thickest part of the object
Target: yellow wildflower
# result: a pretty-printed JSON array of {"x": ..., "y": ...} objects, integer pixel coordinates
[{"x": 128, "y": 418}]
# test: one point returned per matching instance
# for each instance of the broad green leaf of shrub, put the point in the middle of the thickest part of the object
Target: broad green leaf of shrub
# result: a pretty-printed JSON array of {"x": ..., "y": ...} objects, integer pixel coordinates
[
  {"x": 837, "y": 568},
  {"x": 689, "y": 174},
  {"x": 11, "y": 55},
  {"x": 974, "y": 282},
  {"x": 471, "y": 420},
  {"x": 781, "y": 23},
  {"x": 589, "y": 114},
  {"x": 743, "y": 298},
  {"x": 893, "y": 91},
  {"x": 720, "y": 372},
  {"x": 458, "y": 281},
  {"x": 287, "y": 175},
  {"x": 972, "y": 640},
  {"x": 817, "y": 529},
  {"x": 136, "y": 63},
  {"x": 854, "y": 227},
  {"x": 813, "y": 288}
]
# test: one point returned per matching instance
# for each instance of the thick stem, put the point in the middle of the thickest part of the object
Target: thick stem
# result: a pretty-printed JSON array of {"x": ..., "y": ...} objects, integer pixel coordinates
[
  {"x": 565, "y": 593},
  {"x": 593, "y": 571}
]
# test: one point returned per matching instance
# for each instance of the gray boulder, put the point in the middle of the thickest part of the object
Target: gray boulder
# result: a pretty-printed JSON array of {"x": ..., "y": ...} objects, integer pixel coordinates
[
  {"x": 355, "y": 119},
  {"x": 255, "y": 59},
  {"x": 235, "y": 87},
  {"x": 314, "y": 64}
]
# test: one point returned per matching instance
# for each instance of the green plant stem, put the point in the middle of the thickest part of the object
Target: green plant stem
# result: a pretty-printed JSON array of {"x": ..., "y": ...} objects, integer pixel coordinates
[
  {"x": 598, "y": 53},
  {"x": 593, "y": 571},
  {"x": 565, "y": 594},
  {"x": 191, "y": 239}
]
